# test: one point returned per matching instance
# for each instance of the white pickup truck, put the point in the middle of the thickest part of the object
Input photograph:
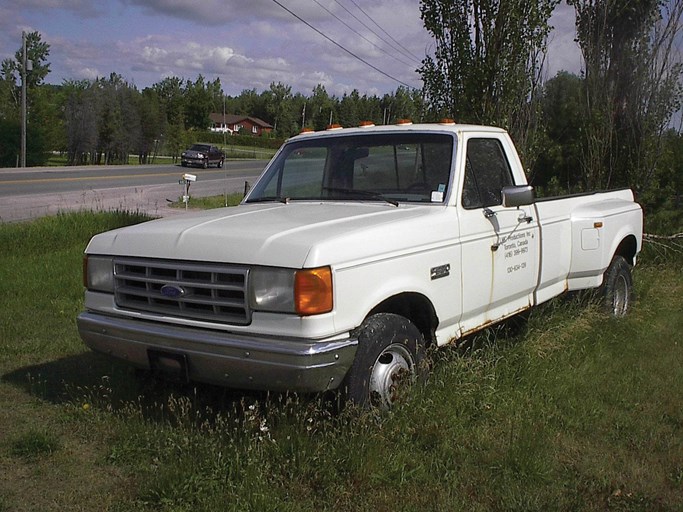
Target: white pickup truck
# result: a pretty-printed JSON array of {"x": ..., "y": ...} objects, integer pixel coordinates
[{"x": 354, "y": 250}]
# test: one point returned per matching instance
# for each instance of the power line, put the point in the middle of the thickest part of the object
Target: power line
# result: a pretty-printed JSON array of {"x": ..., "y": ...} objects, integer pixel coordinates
[
  {"x": 398, "y": 49},
  {"x": 361, "y": 35},
  {"x": 343, "y": 48},
  {"x": 387, "y": 33}
]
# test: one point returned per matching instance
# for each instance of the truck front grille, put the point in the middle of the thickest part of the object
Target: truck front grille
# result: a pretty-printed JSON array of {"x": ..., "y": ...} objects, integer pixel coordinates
[{"x": 213, "y": 292}]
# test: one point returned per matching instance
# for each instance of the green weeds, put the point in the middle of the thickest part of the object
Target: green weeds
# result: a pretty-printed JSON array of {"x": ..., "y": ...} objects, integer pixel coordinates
[
  {"x": 34, "y": 443},
  {"x": 205, "y": 203}
]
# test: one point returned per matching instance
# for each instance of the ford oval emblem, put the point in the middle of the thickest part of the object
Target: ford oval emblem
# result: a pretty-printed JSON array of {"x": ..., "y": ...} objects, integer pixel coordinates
[{"x": 172, "y": 291}]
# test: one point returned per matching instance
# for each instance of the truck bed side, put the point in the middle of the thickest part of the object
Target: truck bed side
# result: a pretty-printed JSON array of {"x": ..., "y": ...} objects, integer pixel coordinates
[{"x": 581, "y": 233}]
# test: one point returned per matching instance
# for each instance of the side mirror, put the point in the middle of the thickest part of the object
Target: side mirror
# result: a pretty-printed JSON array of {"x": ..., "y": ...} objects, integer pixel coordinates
[{"x": 521, "y": 195}]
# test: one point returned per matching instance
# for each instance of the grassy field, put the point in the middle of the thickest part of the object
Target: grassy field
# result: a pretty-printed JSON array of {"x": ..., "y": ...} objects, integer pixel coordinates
[{"x": 578, "y": 412}]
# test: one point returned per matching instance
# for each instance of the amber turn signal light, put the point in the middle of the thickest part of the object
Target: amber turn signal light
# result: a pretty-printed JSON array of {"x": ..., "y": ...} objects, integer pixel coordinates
[{"x": 313, "y": 291}]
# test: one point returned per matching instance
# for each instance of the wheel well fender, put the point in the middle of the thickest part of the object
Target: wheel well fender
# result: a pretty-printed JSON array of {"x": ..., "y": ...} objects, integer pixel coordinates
[
  {"x": 415, "y": 307},
  {"x": 628, "y": 248}
]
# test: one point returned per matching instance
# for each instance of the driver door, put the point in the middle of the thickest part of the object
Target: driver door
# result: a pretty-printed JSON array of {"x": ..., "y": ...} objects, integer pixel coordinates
[{"x": 500, "y": 246}]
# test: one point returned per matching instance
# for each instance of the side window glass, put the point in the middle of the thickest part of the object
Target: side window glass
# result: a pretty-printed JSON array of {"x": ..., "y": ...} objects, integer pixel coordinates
[
  {"x": 470, "y": 191},
  {"x": 487, "y": 171}
]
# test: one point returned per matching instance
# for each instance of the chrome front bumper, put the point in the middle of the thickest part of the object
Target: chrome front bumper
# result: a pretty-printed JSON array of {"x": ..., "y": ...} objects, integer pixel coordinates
[{"x": 245, "y": 362}]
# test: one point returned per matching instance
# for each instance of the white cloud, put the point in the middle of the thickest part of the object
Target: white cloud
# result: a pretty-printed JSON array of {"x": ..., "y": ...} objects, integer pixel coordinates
[
  {"x": 162, "y": 53},
  {"x": 88, "y": 73}
]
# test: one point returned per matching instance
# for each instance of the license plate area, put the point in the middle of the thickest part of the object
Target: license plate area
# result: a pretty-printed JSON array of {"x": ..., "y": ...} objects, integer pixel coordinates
[{"x": 169, "y": 365}]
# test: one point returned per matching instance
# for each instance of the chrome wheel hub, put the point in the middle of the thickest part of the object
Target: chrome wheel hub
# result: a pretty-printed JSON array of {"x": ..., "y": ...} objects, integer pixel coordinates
[
  {"x": 392, "y": 372},
  {"x": 620, "y": 300}
]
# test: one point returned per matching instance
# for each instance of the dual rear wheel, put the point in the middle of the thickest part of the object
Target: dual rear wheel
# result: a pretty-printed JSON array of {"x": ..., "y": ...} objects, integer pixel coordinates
[{"x": 617, "y": 288}]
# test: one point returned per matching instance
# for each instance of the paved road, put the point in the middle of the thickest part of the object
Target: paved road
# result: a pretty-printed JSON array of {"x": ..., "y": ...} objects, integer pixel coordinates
[{"x": 34, "y": 192}]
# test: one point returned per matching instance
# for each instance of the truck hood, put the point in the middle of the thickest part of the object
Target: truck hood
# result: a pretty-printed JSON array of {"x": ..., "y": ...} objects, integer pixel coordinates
[{"x": 295, "y": 235}]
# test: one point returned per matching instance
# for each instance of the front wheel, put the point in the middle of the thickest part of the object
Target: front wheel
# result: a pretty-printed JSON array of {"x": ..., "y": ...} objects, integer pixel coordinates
[
  {"x": 389, "y": 359},
  {"x": 617, "y": 287}
]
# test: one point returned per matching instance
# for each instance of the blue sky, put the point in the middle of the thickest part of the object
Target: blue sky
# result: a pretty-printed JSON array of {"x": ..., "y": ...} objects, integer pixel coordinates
[{"x": 248, "y": 44}]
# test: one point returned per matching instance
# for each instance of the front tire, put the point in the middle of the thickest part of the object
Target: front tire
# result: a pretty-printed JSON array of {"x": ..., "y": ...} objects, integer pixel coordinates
[
  {"x": 617, "y": 288},
  {"x": 389, "y": 359}
]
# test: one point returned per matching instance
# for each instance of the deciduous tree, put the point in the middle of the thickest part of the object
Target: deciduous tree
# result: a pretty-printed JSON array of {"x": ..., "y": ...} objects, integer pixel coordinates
[
  {"x": 557, "y": 169},
  {"x": 320, "y": 108},
  {"x": 200, "y": 100},
  {"x": 487, "y": 61},
  {"x": 632, "y": 86},
  {"x": 278, "y": 100},
  {"x": 37, "y": 52}
]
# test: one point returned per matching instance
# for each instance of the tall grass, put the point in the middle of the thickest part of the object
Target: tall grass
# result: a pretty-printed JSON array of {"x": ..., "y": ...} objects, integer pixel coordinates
[
  {"x": 577, "y": 412},
  {"x": 40, "y": 272}
]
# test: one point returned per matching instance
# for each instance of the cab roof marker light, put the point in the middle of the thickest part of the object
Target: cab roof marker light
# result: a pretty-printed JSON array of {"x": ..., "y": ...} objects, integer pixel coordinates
[
  {"x": 307, "y": 130},
  {"x": 404, "y": 122},
  {"x": 334, "y": 127},
  {"x": 447, "y": 121},
  {"x": 366, "y": 124}
]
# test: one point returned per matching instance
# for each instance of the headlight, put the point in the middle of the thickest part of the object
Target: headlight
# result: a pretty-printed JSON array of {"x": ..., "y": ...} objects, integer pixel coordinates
[
  {"x": 201, "y": 155},
  {"x": 272, "y": 290},
  {"x": 98, "y": 273},
  {"x": 304, "y": 292}
]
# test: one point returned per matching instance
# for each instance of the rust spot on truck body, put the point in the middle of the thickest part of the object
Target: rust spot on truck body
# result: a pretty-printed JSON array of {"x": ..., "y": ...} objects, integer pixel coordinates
[{"x": 488, "y": 323}]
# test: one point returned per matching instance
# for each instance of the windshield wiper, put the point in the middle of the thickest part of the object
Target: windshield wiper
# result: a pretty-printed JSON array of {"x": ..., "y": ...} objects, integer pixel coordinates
[
  {"x": 269, "y": 199},
  {"x": 351, "y": 192}
]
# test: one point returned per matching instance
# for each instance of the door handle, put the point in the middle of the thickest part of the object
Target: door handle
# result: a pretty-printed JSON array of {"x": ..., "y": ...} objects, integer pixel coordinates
[{"x": 523, "y": 217}]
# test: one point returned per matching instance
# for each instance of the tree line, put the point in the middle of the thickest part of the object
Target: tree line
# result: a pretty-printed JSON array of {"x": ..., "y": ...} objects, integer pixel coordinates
[
  {"x": 609, "y": 127},
  {"x": 103, "y": 121}
]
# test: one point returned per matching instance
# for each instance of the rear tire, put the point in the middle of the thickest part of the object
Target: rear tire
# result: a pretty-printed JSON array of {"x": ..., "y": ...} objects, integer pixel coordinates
[
  {"x": 617, "y": 288},
  {"x": 390, "y": 358}
]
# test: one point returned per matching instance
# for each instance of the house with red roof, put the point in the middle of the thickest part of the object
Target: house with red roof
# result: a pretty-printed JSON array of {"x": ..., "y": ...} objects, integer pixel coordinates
[{"x": 238, "y": 124}]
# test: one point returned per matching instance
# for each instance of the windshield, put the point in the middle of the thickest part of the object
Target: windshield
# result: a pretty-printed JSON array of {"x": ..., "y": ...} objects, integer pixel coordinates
[
  {"x": 393, "y": 167},
  {"x": 200, "y": 147}
]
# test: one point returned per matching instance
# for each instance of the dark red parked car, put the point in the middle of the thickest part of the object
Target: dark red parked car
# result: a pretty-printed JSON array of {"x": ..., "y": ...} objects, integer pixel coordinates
[{"x": 202, "y": 155}]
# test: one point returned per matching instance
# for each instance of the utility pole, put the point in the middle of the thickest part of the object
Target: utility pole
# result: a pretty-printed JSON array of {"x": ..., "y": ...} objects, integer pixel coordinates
[
  {"x": 225, "y": 128},
  {"x": 23, "y": 99},
  {"x": 224, "y": 125}
]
